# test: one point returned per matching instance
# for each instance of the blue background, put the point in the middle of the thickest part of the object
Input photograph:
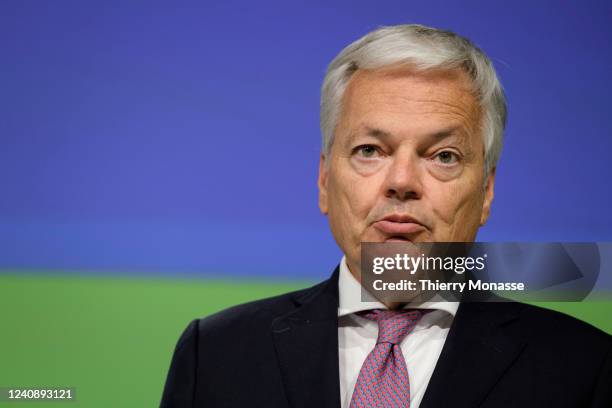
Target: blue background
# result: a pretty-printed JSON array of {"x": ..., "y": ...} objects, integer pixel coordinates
[{"x": 183, "y": 138}]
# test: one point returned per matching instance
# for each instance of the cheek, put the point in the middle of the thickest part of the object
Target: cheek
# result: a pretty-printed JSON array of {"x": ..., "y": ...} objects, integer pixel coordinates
[
  {"x": 351, "y": 200},
  {"x": 456, "y": 209},
  {"x": 345, "y": 197},
  {"x": 445, "y": 200}
]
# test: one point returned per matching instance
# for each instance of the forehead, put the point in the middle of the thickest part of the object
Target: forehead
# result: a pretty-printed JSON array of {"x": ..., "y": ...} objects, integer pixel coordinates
[{"x": 403, "y": 100}]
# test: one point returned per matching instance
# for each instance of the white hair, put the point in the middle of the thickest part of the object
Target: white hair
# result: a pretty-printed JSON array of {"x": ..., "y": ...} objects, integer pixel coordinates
[{"x": 421, "y": 48}]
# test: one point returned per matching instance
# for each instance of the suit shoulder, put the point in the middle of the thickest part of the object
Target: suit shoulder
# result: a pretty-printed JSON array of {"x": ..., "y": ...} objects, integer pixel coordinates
[
  {"x": 255, "y": 313},
  {"x": 551, "y": 323}
]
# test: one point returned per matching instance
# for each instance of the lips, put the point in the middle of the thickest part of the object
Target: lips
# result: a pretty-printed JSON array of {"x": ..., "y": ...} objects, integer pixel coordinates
[{"x": 399, "y": 225}]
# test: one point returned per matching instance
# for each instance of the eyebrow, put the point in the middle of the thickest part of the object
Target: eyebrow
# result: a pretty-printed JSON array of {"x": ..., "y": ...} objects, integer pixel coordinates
[{"x": 377, "y": 133}]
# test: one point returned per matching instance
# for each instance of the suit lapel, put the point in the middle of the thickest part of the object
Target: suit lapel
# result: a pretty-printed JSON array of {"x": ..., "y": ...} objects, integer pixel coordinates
[
  {"x": 483, "y": 342},
  {"x": 306, "y": 342}
]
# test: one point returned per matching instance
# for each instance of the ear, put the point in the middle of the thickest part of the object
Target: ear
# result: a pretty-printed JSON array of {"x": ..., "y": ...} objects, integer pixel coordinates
[
  {"x": 488, "y": 198},
  {"x": 322, "y": 183}
]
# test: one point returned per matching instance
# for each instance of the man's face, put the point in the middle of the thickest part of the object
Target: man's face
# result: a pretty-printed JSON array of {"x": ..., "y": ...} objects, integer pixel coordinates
[{"x": 407, "y": 162}]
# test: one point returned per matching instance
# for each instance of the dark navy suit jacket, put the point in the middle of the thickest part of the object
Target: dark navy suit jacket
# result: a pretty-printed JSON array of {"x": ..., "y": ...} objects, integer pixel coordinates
[{"x": 283, "y": 352}]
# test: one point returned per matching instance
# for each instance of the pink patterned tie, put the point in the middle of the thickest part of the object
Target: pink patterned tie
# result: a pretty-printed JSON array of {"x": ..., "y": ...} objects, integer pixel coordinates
[{"x": 383, "y": 379}]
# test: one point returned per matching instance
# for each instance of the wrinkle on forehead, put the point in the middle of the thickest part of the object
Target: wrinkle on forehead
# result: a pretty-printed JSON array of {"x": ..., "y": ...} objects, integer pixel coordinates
[{"x": 446, "y": 94}]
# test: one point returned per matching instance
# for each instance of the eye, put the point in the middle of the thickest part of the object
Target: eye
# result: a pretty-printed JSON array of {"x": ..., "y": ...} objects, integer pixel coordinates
[
  {"x": 366, "y": 151},
  {"x": 447, "y": 157}
]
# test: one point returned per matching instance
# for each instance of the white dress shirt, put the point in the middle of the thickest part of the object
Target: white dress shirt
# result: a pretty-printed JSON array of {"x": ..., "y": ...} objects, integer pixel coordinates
[{"x": 357, "y": 337}]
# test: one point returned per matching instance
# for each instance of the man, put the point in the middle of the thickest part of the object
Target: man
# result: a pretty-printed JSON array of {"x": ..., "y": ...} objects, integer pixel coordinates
[{"x": 412, "y": 120}]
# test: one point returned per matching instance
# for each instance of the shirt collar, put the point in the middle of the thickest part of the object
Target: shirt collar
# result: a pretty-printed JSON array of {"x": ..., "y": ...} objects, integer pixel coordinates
[{"x": 349, "y": 293}]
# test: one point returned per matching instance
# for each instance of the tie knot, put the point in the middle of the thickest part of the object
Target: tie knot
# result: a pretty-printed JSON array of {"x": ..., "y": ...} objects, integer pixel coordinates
[{"x": 393, "y": 325}]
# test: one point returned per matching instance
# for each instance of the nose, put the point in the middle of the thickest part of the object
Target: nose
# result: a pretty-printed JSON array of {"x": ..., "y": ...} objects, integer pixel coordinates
[{"x": 403, "y": 180}]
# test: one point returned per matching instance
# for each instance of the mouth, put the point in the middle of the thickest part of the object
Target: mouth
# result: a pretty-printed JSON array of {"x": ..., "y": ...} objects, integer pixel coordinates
[
  {"x": 397, "y": 238},
  {"x": 399, "y": 228}
]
